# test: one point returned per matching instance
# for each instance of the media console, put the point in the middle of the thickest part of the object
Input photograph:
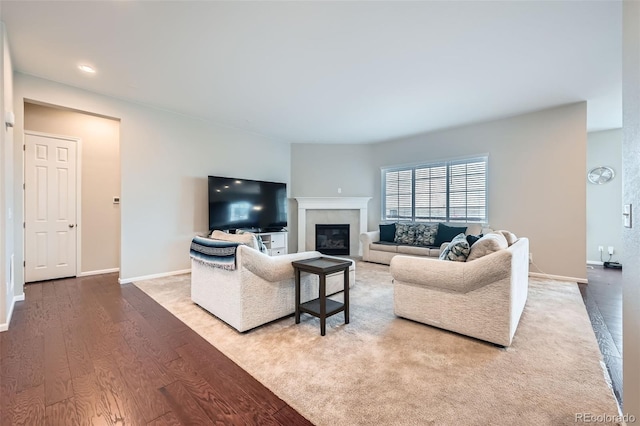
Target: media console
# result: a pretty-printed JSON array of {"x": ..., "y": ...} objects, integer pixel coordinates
[{"x": 275, "y": 242}]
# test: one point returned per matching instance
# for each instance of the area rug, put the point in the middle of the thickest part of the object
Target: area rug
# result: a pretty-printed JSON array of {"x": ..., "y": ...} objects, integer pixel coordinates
[{"x": 383, "y": 370}]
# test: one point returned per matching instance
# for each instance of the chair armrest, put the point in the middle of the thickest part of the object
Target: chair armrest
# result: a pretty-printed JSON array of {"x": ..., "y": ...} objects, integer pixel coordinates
[
  {"x": 366, "y": 238},
  {"x": 427, "y": 272},
  {"x": 370, "y": 237},
  {"x": 460, "y": 277},
  {"x": 271, "y": 268}
]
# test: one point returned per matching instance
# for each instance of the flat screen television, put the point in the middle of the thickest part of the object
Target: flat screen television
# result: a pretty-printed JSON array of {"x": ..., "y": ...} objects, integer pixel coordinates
[{"x": 247, "y": 204}]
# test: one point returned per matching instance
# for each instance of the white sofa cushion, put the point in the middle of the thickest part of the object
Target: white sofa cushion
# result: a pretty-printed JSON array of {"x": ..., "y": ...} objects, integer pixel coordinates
[
  {"x": 488, "y": 244},
  {"x": 414, "y": 250},
  {"x": 475, "y": 229},
  {"x": 261, "y": 247},
  {"x": 248, "y": 239},
  {"x": 390, "y": 247},
  {"x": 509, "y": 236}
]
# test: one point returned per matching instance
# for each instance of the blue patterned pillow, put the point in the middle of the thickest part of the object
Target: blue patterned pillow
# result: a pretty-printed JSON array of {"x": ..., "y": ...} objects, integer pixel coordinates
[
  {"x": 426, "y": 234},
  {"x": 405, "y": 233},
  {"x": 457, "y": 250}
]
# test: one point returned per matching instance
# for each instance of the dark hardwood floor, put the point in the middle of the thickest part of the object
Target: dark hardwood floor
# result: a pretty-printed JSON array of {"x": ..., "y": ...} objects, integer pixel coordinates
[
  {"x": 603, "y": 299},
  {"x": 88, "y": 351}
]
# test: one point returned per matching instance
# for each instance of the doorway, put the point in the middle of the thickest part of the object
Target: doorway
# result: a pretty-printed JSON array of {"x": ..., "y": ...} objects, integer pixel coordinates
[
  {"x": 603, "y": 294},
  {"x": 98, "y": 190},
  {"x": 51, "y": 169}
]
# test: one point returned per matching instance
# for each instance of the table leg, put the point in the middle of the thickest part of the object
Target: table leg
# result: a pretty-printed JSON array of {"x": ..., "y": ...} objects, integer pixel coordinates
[
  {"x": 297, "y": 272},
  {"x": 346, "y": 296},
  {"x": 323, "y": 304}
]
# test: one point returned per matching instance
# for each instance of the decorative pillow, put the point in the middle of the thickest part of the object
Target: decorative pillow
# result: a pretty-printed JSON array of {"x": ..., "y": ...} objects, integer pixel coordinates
[
  {"x": 486, "y": 245},
  {"x": 509, "y": 236},
  {"x": 486, "y": 230},
  {"x": 447, "y": 233},
  {"x": 457, "y": 250},
  {"x": 248, "y": 238},
  {"x": 405, "y": 233},
  {"x": 474, "y": 229},
  {"x": 261, "y": 246},
  {"x": 471, "y": 239},
  {"x": 426, "y": 234},
  {"x": 387, "y": 232}
]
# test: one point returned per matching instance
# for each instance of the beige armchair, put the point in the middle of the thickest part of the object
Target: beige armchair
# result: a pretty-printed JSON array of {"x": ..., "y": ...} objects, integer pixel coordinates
[
  {"x": 482, "y": 298},
  {"x": 261, "y": 288}
]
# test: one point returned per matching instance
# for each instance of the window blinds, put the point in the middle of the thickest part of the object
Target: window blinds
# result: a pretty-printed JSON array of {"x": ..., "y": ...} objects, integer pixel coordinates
[{"x": 453, "y": 191}]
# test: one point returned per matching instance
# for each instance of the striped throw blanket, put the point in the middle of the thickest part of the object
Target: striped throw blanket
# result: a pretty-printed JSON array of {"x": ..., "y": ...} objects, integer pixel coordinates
[{"x": 216, "y": 253}]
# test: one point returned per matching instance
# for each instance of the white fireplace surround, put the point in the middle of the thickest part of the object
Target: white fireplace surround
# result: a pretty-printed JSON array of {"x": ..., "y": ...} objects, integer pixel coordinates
[{"x": 329, "y": 203}]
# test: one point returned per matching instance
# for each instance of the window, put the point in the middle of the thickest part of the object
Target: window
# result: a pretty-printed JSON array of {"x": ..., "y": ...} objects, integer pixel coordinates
[{"x": 449, "y": 191}]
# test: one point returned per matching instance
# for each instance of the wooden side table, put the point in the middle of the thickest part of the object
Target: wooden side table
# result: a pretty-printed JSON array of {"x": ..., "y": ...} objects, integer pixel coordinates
[{"x": 322, "y": 307}]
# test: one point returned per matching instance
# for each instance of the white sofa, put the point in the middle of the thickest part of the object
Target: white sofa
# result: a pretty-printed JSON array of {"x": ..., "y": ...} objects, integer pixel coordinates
[
  {"x": 482, "y": 298},
  {"x": 374, "y": 251},
  {"x": 261, "y": 288}
]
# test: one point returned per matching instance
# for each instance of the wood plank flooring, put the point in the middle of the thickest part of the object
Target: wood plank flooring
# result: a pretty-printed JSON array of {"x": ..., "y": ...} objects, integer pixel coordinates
[
  {"x": 85, "y": 351},
  {"x": 603, "y": 300}
]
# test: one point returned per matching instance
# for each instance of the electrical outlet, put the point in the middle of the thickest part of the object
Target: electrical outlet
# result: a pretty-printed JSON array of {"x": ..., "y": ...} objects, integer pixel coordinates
[
  {"x": 530, "y": 257},
  {"x": 610, "y": 249},
  {"x": 600, "y": 249}
]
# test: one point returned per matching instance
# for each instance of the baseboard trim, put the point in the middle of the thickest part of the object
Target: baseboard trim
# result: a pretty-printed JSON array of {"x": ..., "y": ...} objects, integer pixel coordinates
[
  {"x": 150, "y": 277},
  {"x": 18, "y": 298},
  {"x": 98, "y": 272},
  {"x": 558, "y": 277},
  {"x": 595, "y": 262}
]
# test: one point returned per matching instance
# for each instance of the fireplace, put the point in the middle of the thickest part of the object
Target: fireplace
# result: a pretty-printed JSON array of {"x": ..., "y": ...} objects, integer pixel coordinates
[
  {"x": 332, "y": 239},
  {"x": 326, "y": 205}
]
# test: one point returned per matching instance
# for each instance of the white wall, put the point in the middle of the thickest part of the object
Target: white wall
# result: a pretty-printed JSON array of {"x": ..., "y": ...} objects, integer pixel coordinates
[
  {"x": 631, "y": 195},
  {"x": 165, "y": 159},
  {"x": 5, "y": 183},
  {"x": 536, "y": 177},
  {"x": 7, "y": 208},
  {"x": 318, "y": 170},
  {"x": 604, "y": 202}
]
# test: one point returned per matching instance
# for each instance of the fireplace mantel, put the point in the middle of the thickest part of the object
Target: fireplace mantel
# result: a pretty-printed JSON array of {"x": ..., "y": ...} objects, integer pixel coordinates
[{"x": 329, "y": 203}]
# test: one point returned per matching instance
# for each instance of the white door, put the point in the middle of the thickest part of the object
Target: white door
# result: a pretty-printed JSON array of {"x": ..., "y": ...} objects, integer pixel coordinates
[{"x": 50, "y": 207}]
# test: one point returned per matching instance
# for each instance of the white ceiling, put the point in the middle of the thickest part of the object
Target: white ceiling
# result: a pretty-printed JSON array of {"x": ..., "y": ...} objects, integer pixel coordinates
[{"x": 331, "y": 72}]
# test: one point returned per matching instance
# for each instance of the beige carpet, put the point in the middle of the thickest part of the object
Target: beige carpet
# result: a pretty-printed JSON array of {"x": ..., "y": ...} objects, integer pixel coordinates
[{"x": 383, "y": 370}]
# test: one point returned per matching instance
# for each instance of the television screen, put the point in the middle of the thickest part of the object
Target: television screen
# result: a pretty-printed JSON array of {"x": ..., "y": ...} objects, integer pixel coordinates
[{"x": 247, "y": 204}]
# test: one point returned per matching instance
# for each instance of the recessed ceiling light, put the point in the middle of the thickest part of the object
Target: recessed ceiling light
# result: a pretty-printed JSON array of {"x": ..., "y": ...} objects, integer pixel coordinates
[{"x": 87, "y": 68}]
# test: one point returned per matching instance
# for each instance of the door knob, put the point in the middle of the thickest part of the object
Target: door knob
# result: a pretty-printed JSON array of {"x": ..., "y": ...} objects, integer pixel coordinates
[{"x": 71, "y": 225}]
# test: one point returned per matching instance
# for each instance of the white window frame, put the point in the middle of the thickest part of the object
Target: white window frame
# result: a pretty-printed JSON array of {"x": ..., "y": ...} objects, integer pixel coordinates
[{"x": 447, "y": 216}]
